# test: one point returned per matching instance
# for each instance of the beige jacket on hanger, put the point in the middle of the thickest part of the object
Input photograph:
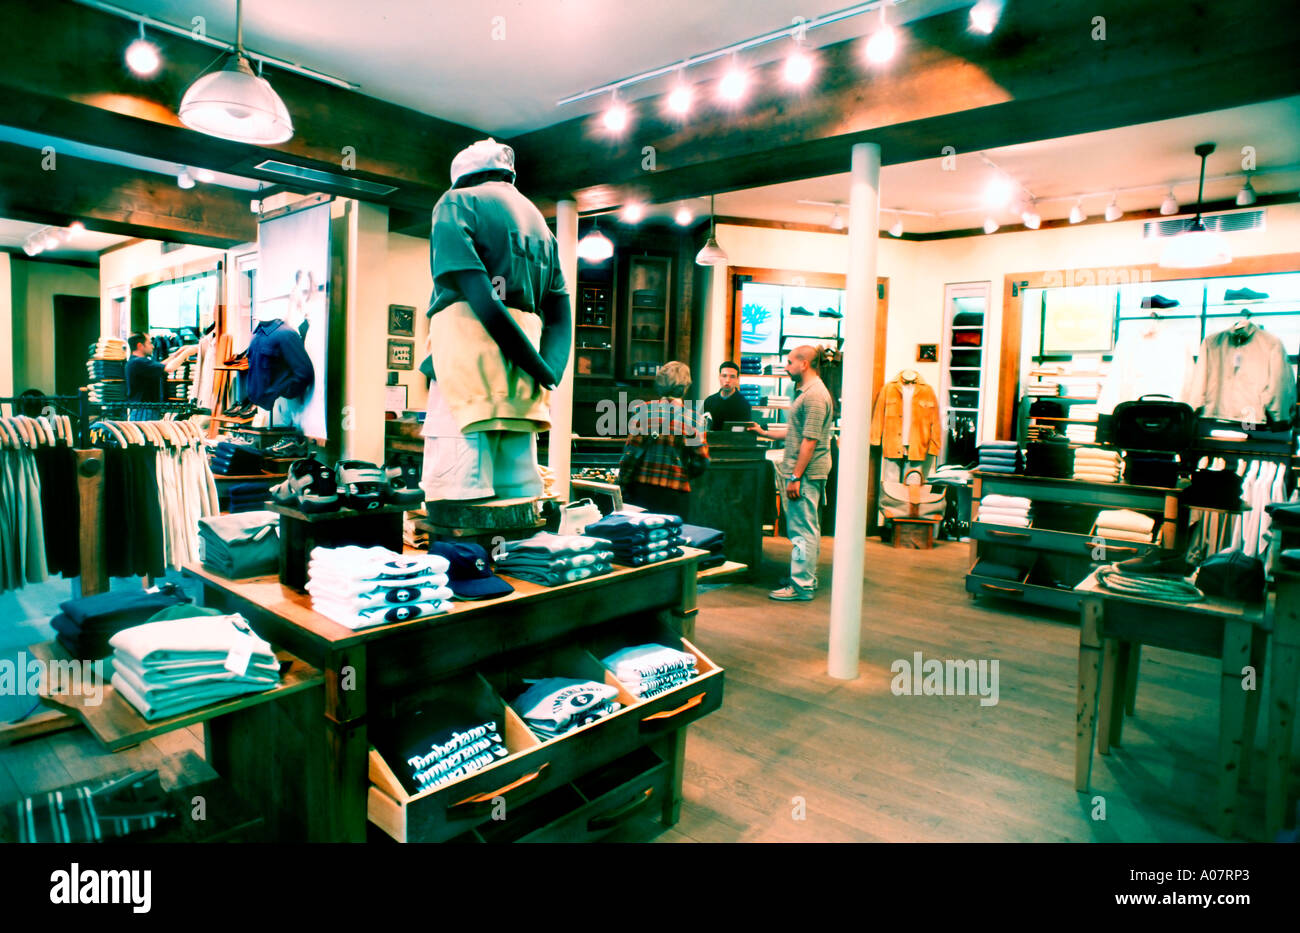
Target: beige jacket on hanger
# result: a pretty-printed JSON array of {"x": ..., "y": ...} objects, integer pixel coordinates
[{"x": 925, "y": 435}]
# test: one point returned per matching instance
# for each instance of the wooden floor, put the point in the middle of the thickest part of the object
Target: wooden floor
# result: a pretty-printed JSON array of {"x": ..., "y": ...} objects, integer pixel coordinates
[{"x": 856, "y": 762}]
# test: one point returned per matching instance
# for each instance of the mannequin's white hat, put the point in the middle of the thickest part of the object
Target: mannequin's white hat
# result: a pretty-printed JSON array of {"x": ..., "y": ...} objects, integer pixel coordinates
[{"x": 484, "y": 155}]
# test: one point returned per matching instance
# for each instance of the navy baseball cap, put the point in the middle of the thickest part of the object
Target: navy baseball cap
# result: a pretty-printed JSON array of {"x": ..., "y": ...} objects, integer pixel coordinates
[{"x": 470, "y": 575}]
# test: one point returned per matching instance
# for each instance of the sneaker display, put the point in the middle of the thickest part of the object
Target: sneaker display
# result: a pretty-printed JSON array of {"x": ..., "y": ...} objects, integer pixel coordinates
[
  {"x": 403, "y": 484},
  {"x": 361, "y": 485},
  {"x": 1159, "y": 302},
  {"x": 1243, "y": 294},
  {"x": 310, "y": 486}
]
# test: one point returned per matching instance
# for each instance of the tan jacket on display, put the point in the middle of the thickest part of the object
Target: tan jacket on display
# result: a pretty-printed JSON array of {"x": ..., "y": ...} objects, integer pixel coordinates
[{"x": 924, "y": 432}]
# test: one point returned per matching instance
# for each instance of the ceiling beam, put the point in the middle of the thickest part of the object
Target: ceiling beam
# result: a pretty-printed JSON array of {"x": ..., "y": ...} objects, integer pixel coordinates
[
  {"x": 65, "y": 77},
  {"x": 112, "y": 199},
  {"x": 1041, "y": 75}
]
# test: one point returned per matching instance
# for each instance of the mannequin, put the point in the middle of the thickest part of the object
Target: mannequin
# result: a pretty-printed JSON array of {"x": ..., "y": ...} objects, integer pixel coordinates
[
  {"x": 905, "y": 423},
  {"x": 279, "y": 369},
  {"x": 499, "y": 332}
]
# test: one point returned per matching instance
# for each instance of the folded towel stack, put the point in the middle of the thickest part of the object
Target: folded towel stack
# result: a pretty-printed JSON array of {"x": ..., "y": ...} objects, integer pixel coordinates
[
  {"x": 1043, "y": 388},
  {"x": 240, "y": 545},
  {"x": 1000, "y": 457},
  {"x": 231, "y": 459},
  {"x": 360, "y": 587},
  {"x": 171, "y": 667},
  {"x": 640, "y": 538},
  {"x": 1098, "y": 466},
  {"x": 551, "y": 559},
  {"x": 1081, "y": 433},
  {"x": 649, "y": 670},
  {"x": 557, "y": 705},
  {"x": 1125, "y": 525},
  {"x": 1005, "y": 510}
]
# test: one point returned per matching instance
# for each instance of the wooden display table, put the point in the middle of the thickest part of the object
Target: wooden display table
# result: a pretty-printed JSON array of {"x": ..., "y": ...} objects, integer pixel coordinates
[
  {"x": 1114, "y": 624},
  {"x": 1284, "y": 696},
  {"x": 476, "y": 647},
  {"x": 300, "y": 532}
]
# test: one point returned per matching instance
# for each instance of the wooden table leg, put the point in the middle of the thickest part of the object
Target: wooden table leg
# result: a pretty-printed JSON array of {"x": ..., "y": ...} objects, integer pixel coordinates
[
  {"x": 1232, "y": 719},
  {"x": 1284, "y": 685},
  {"x": 1131, "y": 688},
  {"x": 1085, "y": 713},
  {"x": 1110, "y": 706},
  {"x": 672, "y": 809},
  {"x": 1258, "y": 660}
]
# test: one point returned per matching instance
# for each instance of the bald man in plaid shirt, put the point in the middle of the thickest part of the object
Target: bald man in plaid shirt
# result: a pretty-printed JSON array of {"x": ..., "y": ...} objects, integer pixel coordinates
[{"x": 666, "y": 448}]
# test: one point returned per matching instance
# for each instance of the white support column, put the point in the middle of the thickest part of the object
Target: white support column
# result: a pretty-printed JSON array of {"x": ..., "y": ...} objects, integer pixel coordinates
[
  {"x": 859, "y": 356},
  {"x": 561, "y": 436}
]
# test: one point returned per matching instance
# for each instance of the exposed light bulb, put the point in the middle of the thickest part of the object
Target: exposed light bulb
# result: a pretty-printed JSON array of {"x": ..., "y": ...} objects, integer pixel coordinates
[
  {"x": 595, "y": 247},
  {"x": 990, "y": 225},
  {"x": 184, "y": 179},
  {"x": 76, "y": 228},
  {"x": 882, "y": 45},
  {"x": 798, "y": 68},
  {"x": 998, "y": 191},
  {"x": 1169, "y": 205},
  {"x": 203, "y": 175},
  {"x": 615, "y": 118},
  {"x": 142, "y": 56},
  {"x": 1077, "y": 216},
  {"x": 633, "y": 213},
  {"x": 1246, "y": 196},
  {"x": 683, "y": 217},
  {"x": 897, "y": 229},
  {"x": 1113, "y": 211},
  {"x": 680, "y": 99},
  {"x": 732, "y": 86},
  {"x": 984, "y": 16}
]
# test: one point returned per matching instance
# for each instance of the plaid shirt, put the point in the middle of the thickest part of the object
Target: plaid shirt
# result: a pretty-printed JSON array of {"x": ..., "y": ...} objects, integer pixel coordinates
[{"x": 674, "y": 445}]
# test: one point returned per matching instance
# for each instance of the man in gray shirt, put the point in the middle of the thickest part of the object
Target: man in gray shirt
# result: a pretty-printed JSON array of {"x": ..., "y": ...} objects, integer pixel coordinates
[{"x": 804, "y": 469}]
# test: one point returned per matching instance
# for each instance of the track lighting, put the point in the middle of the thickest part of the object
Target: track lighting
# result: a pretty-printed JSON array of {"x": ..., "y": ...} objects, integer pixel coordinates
[
  {"x": 1077, "y": 216},
  {"x": 30, "y": 247},
  {"x": 837, "y": 222},
  {"x": 798, "y": 67},
  {"x": 990, "y": 225},
  {"x": 1030, "y": 216},
  {"x": 732, "y": 86},
  {"x": 184, "y": 179},
  {"x": 76, "y": 228},
  {"x": 615, "y": 117},
  {"x": 1246, "y": 196},
  {"x": 683, "y": 217},
  {"x": 633, "y": 213},
  {"x": 883, "y": 42},
  {"x": 680, "y": 99},
  {"x": 203, "y": 175},
  {"x": 897, "y": 229},
  {"x": 142, "y": 56},
  {"x": 1169, "y": 205},
  {"x": 595, "y": 246},
  {"x": 1113, "y": 211},
  {"x": 984, "y": 16},
  {"x": 998, "y": 191}
]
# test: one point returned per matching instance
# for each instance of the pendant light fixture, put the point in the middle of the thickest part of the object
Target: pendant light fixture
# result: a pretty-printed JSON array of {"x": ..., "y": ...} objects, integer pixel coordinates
[
  {"x": 595, "y": 246},
  {"x": 712, "y": 254},
  {"x": 1196, "y": 247},
  {"x": 234, "y": 103},
  {"x": 142, "y": 56},
  {"x": 1246, "y": 196}
]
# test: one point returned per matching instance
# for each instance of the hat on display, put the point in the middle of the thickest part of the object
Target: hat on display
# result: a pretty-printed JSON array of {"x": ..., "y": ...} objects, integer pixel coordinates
[
  {"x": 486, "y": 155},
  {"x": 1214, "y": 489},
  {"x": 1232, "y": 575},
  {"x": 469, "y": 576}
]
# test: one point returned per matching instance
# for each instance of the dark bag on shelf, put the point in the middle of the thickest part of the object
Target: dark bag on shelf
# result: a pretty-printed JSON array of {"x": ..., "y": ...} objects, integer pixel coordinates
[{"x": 1153, "y": 423}]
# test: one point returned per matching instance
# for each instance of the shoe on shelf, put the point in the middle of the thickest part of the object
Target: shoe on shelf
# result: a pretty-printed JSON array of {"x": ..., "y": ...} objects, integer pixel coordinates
[
  {"x": 829, "y": 312},
  {"x": 403, "y": 485},
  {"x": 1243, "y": 294},
  {"x": 288, "y": 448},
  {"x": 1159, "y": 302},
  {"x": 801, "y": 311},
  {"x": 790, "y": 594},
  {"x": 361, "y": 484},
  {"x": 310, "y": 486}
]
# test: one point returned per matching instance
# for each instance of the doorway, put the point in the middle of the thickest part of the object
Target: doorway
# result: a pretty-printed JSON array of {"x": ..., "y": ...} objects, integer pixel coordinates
[{"x": 76, "y": 327}]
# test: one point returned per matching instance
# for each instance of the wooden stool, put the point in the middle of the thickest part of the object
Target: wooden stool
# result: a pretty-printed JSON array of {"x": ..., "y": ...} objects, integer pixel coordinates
[{"x": 916, "y": 533}]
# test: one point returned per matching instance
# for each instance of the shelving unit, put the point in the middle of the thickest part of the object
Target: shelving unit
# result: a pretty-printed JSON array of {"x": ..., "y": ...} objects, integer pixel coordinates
[
  {"x": 648, "y": 299},
  {"x": 594, "y": 331}
]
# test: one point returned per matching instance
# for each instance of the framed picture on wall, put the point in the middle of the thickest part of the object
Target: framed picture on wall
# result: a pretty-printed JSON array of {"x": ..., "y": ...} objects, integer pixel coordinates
[
  {"x": 401, "y": 320},
  {"x": 401, "y": 354},
  {"x": 927, "y": 353}
]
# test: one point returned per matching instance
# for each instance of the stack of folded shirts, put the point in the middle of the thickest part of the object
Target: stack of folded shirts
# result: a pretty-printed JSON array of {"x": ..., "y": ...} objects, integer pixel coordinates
[
  {"x": 414, "y": 533},
  {"x": 109, "y": 348},
  {"x": 359, "y": 587},
  {"x": 247, "y": 497},
  {"x": 1125, "y": 525},
  {"x": 706, "y": 539},
  {"x": 751, "y": 365},
  {"x": 242, "y": 545},
  {"x": 1151, "y": 469},
  {"x": 1004, "y": 510},
  {"x": 105, "y": 369},
  {"x": 1081, "y": 433},
  {"x": 649, "y": 670},
  {"x": 640, "y": 538},
  {"x": 85, "y": 625},
  {"x": 551, "y": 559},
  {"x": 1043, "y": 388},
  {"x": 1000, "y": 457},
  {"x": 449, "y": 754},
  {"x": 1051, "y": 455},
  {"x": 1098, "y": 466},
  {"x": 557, "y": 705},
  {"x": 168, "y": 668},
  {"x": 231, "y": 459},
  {"x": 106, "y": 393}
]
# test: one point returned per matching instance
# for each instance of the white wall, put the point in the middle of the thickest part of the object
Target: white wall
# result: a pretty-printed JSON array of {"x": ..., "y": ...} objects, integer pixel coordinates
[
  {"x": 33, "y": 286},
  {"x": 120, "y": 267},
  {"x": 919, "y": 270},
  {"x": 366, "y": 355},
  {"x": 411, "y": 283}
]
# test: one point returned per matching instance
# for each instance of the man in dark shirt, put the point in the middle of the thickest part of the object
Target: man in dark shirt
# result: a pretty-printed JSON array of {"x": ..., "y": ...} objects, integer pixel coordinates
[
  {"x": 727, "y": 404},
  {"x": 144, "y": 375}
]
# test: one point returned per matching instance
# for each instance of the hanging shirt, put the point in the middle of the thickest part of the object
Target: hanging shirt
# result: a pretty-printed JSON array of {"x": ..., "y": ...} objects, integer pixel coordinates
[
  {"x": 1156, "y": 362},
  {"x": 494, "y": 229},
  {"x": 278, "y": 364},
  {"x": 1243, "y": 375}
]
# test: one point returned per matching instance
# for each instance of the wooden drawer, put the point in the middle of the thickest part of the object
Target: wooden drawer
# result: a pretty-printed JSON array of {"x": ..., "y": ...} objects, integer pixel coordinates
[
  {"x": 1024, "y": 592},
  {"x": 536, "y": 768},
  {"x": 1063, "y": 542}
]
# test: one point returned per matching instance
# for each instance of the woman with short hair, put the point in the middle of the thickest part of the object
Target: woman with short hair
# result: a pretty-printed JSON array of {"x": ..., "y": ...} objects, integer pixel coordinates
[{"x": 666, "y": 447}]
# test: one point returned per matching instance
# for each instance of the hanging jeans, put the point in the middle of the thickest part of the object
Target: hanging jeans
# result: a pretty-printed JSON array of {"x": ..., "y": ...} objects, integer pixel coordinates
[{"x": 803, "y": 526}]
